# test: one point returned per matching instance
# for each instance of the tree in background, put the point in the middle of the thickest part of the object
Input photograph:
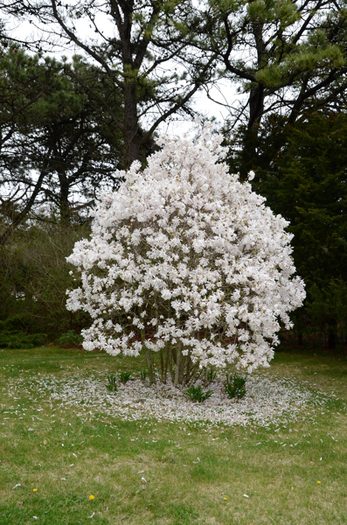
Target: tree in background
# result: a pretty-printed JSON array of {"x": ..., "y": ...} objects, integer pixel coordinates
[
  {"x": 302, "y": 172},
  {"x": 33, "y": 280},
  {"x": 285, "y": 58},
  {"x": 57, "y": 146},
  {"x": 288, "y": 60},
  {"x": 142, "y": 47},
  {"x": 57, "y": 150}
]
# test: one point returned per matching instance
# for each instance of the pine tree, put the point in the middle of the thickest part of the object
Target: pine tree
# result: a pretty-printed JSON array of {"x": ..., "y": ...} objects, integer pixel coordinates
[
  {"x": 57, "y": 147},
  {"x": 306, "y": 181}
]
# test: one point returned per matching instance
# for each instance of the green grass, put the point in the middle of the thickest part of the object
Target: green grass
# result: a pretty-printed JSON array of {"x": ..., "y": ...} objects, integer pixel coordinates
[{"x": 188, "y": 471}]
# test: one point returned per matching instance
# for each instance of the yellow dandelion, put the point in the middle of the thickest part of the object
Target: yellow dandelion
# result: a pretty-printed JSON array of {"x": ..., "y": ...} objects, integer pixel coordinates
[
  {"x": 34, "y": 490},
  {"x": 318, "y": 481},
  {"x": 225, "y": 499},
  {"x": 91, "y": 496}
]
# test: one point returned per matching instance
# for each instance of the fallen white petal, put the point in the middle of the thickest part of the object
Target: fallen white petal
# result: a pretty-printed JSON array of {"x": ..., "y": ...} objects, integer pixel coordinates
[{"x": 284, "y": 398}]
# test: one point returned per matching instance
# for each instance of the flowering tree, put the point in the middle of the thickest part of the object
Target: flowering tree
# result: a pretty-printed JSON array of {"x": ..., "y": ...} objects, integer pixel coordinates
[{"x": 187, "y": 261}]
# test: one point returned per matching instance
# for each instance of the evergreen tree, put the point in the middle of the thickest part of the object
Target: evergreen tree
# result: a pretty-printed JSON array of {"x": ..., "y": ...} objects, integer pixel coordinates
[
  {"x": 284, "y": 57},
  {"x": 57, "y": 147},
  {"x": 143, "y": 47},
  {"x": 302, "y": 172}
]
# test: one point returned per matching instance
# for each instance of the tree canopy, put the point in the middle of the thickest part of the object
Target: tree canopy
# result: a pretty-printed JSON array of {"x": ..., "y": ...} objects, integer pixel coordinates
[
  {"x": 285, "y": 56},
  {"x": 56, "y": 144},
  {"x": 142, "y": 47}
]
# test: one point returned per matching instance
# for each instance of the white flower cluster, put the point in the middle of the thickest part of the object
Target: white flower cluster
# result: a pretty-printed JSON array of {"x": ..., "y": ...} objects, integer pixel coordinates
[{"x": 184, "y": 253}]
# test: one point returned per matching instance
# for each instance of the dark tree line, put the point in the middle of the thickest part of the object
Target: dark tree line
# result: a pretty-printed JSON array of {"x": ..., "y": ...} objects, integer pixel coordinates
[
  {"x": 67, "y": 125},
  {"x": 302, "y": 171}
]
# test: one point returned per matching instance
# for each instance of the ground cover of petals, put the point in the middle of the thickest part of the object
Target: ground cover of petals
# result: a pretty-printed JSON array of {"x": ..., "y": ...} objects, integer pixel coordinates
[{"x": 268, "y": 400}]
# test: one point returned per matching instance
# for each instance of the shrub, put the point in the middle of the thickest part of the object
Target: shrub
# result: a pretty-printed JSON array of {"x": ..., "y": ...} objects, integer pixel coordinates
[
  {"x": 70, "y": 339},
  {"x": 14, "y": 338},
  {"x": 34, "y": 276}
]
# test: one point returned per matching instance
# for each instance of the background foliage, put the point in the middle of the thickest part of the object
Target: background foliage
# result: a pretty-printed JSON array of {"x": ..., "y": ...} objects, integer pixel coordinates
[{"x": 67, "y": 125}]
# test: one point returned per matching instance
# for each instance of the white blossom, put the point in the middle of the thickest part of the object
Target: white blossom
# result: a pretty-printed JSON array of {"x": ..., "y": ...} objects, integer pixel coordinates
[{"x": 184, "y": 253}]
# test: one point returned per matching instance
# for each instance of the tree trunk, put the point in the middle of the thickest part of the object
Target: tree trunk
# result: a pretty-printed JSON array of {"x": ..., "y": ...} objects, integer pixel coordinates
[
  {"x": 148, "y": 358},
  {"x": 132, "y": 138},
  {"x": 256, "y": 106},
  {"x": 64, "y": 205},
  {"x": 178, "y": 364}
]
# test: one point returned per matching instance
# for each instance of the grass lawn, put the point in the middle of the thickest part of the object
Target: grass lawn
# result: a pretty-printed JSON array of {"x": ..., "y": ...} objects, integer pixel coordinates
[{"x": 55, "y": 456}]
